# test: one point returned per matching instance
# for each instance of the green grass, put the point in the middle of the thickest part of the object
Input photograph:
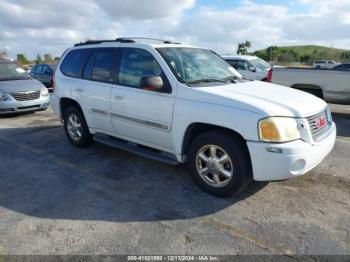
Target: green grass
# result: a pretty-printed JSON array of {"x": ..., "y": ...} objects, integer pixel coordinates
[{"x": 315, "y": 52}]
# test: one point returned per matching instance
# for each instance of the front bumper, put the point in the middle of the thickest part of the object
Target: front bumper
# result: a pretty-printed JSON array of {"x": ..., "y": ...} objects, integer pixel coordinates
[
  {"x": 295, "y": 158},
  {"x": 12, "y": 106}
]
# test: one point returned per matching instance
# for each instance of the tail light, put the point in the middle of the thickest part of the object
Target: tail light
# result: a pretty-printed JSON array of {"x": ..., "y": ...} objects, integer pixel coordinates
[{"x": 269, "y": 76}]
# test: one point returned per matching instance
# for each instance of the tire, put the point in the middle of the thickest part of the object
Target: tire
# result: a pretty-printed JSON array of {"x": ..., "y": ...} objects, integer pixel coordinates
[
  {"x": 238, "y": 163},
  {"x": 78, "y": 134}
]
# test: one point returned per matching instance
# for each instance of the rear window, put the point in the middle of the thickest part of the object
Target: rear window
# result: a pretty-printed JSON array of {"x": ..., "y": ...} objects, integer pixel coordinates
[{"x": 74, "y": 62}]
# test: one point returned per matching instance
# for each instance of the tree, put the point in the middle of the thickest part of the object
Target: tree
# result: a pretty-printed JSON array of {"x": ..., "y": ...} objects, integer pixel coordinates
[
  {"x": 48, "y": 59},
  {"x": 21, "y": 59},
  {"x": 243, "y": 47},
  {"x": 273, "y": 52},
  {"x": 56, "y": 59},
  {"x": 4, "y": 55},
  {"x": 38, "y": 59}
]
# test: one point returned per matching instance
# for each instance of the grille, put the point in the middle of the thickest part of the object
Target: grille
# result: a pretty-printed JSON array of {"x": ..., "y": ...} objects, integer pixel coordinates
[
  {"x": 317, "y": 131},
  {"x": 26, "y": 96}
]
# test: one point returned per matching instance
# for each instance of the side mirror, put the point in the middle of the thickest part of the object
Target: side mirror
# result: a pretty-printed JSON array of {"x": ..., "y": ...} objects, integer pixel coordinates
[
  {"x": 252, "y": 68},
  {"x": 151, "y": 83}
]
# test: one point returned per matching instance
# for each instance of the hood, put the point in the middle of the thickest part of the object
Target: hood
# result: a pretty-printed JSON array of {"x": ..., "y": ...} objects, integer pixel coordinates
[
  {"x": 262, "y": 98},
  {"x": 20, "y": 85}
]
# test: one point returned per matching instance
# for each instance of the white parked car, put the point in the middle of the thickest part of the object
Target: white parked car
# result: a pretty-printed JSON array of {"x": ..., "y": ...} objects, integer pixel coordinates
[
  {"x": 182, "y": 104},
  {"x": 325, "y": 64},
  {"x": 250, "y": 67}
]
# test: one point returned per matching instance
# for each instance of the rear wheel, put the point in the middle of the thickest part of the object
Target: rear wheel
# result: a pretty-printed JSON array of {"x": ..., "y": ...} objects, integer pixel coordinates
[
  {"x": 76, "y": 128},
  {"x": 219, "y": 163}
]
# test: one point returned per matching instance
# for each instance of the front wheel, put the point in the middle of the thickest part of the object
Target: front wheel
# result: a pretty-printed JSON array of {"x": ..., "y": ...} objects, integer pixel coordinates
[
  {"x": 76, "y": 128},
  {"x": 219, "y": 163}
]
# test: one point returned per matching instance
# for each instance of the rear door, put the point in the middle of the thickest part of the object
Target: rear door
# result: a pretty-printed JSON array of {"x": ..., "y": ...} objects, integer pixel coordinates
[
  {"x": 144, "y": 116},
  {"x": 95, "y": 89},
  {"x": 90, "y": 75}
]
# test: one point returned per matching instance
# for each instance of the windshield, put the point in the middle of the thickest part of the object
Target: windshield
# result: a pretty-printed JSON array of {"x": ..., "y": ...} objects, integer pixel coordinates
[
  {"x": 259, "y": 63},
  {"x": 12, "y": 71},
  {"x": 194, "y": 66}
]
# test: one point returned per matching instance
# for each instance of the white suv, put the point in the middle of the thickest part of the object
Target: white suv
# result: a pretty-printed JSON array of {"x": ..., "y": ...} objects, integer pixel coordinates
[{"x": 183, "y": 104}]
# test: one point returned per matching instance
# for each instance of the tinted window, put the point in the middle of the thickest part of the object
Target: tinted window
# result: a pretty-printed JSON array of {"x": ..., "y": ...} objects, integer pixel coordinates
[
  {"x": 239, "y": 64},
  {"x": 39, "y": 69},
  {"x": 46, "y": 70},
  {"x": 135, "y": 64},
  {"x": 34, "y": 69},
  {"x": 89, "y": 66},
  {"x": 103, "y": 65},
  {"x": 233, "y": 63},
  {"x": 74, "y": 62}
]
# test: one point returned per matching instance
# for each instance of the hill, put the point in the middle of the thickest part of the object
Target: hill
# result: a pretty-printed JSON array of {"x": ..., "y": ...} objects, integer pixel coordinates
[{"x": 304, "y": 54}]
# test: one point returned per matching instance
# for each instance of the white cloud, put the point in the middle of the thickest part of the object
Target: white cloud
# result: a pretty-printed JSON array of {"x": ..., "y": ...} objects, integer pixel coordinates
[
  {"x": 34, "y": 26},
  {"x": 141, "y": 10}
]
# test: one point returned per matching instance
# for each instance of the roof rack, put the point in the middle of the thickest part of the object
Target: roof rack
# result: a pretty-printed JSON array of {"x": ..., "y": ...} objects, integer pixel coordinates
[
  {"x": 145, "y": 38},
  {"x": 123, "y": 40}
]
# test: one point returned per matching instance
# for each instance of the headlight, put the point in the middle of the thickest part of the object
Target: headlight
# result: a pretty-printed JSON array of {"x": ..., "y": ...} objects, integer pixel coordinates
[
  {"x": 44, "y": 92},
  {"x": 3, "y": 96},
  {"x": 278, "y": 129}
]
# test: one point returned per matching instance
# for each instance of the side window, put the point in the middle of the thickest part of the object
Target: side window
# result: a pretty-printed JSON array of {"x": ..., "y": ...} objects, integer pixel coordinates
[
  {"x": 103, "y": 65},
  {"x": 46, "y": 70},
  {"x": 89, "y": 66},
  {"x": 39, "y": 69},
  {"x": 33, "y": 71},
  {"x": 136, "y": 63},
  {"x": 239, "y": 64},
  {"x": 74, "y": 62},
  {"x": 233, "y": 63}
]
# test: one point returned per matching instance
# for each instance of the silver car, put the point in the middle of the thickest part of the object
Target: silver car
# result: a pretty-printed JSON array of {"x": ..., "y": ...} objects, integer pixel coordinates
[{"x": 19, "y": 92}]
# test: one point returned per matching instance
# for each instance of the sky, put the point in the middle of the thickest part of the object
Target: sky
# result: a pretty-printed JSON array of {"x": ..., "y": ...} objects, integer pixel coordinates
[{"x": 51, "y": 26}]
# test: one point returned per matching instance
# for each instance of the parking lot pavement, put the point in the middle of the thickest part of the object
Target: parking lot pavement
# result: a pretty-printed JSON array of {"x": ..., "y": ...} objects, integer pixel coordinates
[{"x": 57, "y": 199}]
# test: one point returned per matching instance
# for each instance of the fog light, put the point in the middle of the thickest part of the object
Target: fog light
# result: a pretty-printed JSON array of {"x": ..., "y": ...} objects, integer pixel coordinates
[{"x": 298, "y": 166}]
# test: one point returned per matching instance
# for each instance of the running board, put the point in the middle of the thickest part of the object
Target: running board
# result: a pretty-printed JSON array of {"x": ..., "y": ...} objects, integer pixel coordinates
[{"x": 136, "y": 149}]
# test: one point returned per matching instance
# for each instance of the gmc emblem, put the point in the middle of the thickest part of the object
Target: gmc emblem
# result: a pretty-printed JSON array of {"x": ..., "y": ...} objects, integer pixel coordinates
[{"x": 321, "y": 122}]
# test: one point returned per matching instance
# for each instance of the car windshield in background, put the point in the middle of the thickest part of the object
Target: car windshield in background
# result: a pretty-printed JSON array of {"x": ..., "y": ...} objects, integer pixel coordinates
[
  {"x": 11, "y": 71},
  {"x": 259, "y": 63},
  {"x": 194, "y": 66}
]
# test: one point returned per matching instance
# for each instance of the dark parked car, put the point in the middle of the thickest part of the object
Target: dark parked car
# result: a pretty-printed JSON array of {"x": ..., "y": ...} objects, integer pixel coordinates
[
  {"x": 44, "y": 73},
  {"x": 342, "y": 67}
]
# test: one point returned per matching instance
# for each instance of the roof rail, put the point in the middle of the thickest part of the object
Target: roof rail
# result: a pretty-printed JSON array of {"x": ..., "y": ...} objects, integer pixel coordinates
[
  {"x": 123, "y": 40},
  {"x": 146, "y": 38},
  {"x": 93, "y": 42}
]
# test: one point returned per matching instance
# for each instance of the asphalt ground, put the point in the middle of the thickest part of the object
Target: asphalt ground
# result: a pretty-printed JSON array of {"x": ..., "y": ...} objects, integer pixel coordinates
[{"x": 58, "y": 199}]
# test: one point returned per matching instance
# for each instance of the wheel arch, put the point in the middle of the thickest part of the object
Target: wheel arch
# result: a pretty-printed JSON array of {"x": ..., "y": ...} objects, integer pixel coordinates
[
  {"x": 195, "y": 129},
  {"x": 314, "y": 87},
  {"x": 66, "y": 103}
]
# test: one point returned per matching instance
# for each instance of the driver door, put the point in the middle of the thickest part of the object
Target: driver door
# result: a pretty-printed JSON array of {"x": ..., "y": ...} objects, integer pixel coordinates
[{"x": 142, "y": 116}]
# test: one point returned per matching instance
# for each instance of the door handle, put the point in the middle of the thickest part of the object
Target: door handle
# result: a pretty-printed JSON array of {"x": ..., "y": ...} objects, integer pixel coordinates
[
  {"x": 79, "y": 90},
  {"x": 118, "y": 97}
]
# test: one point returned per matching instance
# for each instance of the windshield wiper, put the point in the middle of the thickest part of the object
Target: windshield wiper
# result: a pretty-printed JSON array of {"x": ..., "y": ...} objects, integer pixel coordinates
[
  {"x": 206, "y": 80},
  {"x": 230, "y": 78}
]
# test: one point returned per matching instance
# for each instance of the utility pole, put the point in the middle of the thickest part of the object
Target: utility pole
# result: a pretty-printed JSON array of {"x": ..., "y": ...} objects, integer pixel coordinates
[{"x": 270, "y": 54}]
